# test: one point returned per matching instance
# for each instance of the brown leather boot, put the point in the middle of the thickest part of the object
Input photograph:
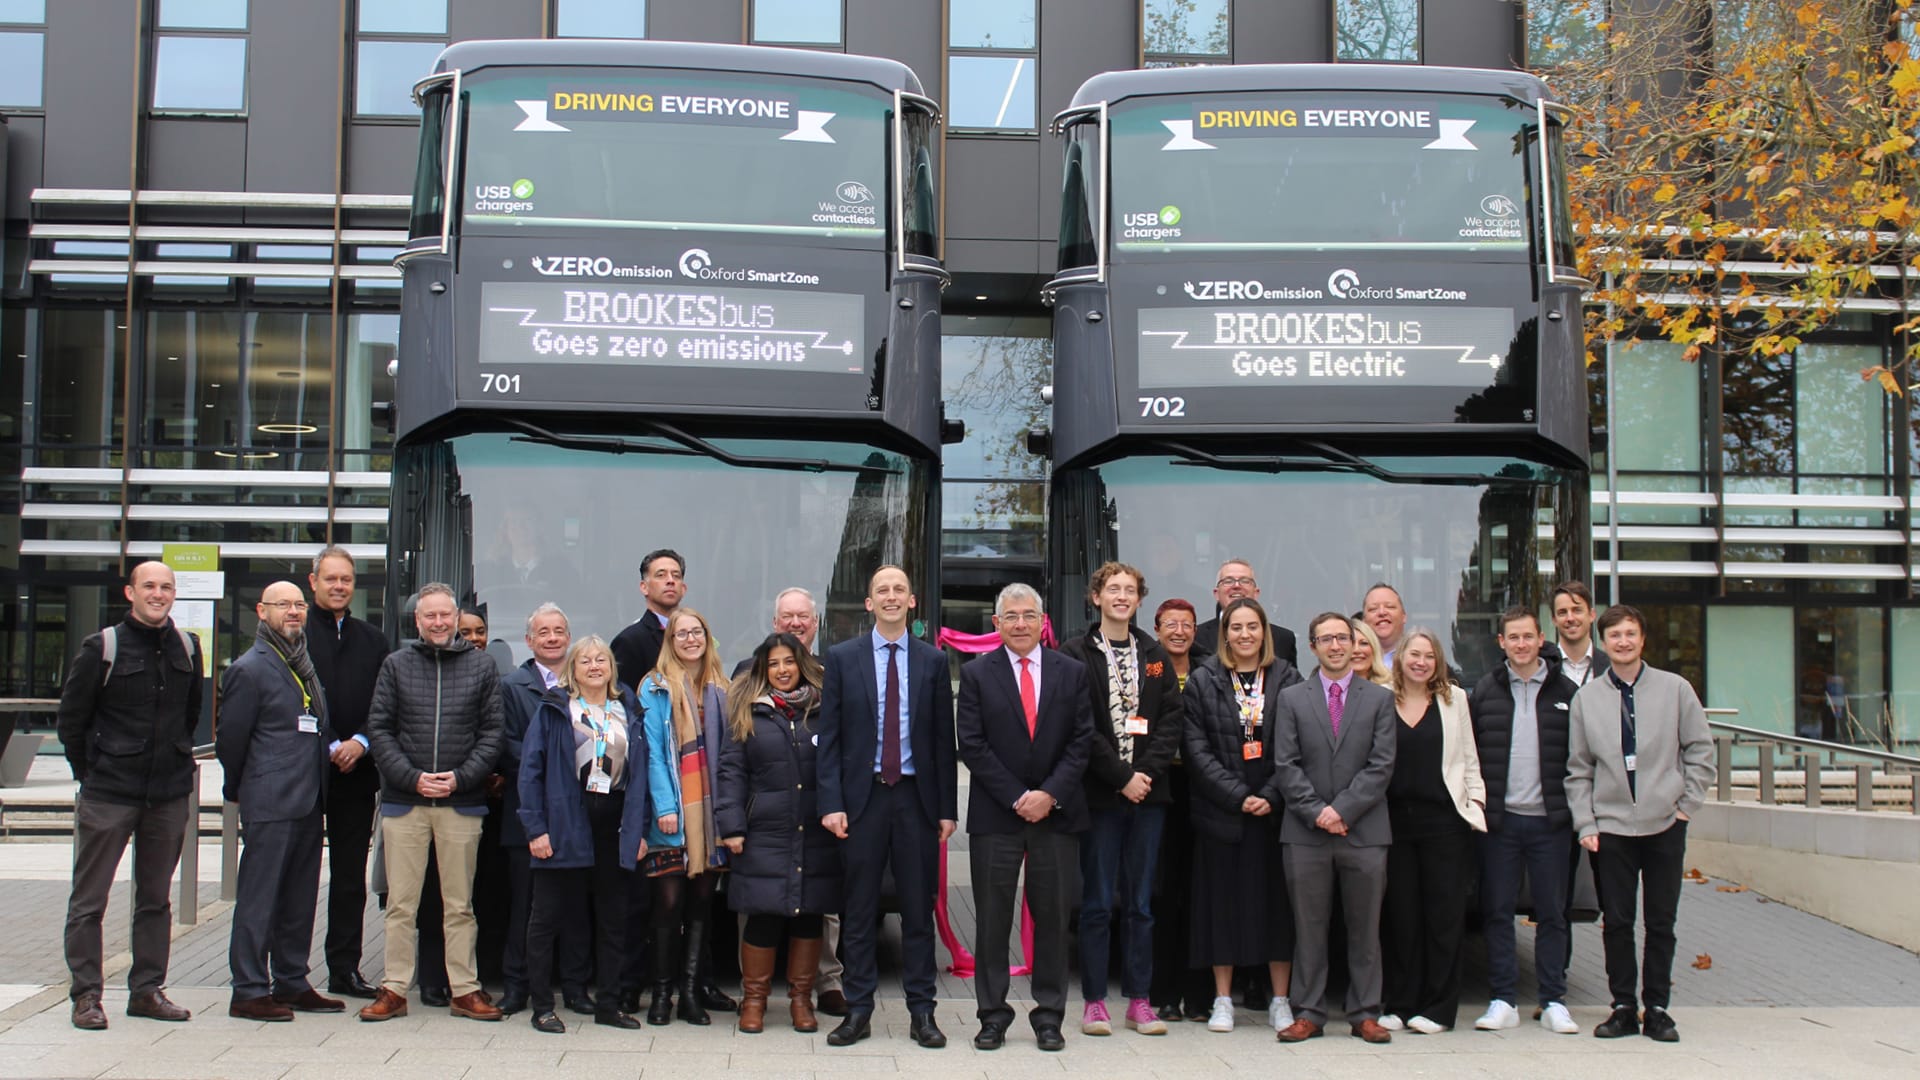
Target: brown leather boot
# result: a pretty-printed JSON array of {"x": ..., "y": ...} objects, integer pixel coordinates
[
  {"x": 756, "y": 982},
  {"x": 803, "y": 965}
]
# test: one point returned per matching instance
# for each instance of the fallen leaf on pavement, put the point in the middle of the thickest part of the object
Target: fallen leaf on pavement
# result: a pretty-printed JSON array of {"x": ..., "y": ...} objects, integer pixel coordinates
[
  {"x": 1694, "y": 875},
  {"x": 1702, "y": 962},
  {"x": 1730, "y": 888}
]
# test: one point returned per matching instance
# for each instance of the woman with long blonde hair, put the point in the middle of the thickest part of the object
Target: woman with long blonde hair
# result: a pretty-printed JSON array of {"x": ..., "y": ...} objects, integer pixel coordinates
[
  {"x": 683, "y": 704},
  {"x": 1369, "y": 659}
]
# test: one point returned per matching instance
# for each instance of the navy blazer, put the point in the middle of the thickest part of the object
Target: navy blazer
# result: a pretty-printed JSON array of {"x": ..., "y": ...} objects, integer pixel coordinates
[
  {"x": 520, "y": 694},
  {"x": 1006, "y": 762},
  {"x": 553, "y": 801},
  {"x": 850, "y": 729},
  {"x": 273, "y": 770}
]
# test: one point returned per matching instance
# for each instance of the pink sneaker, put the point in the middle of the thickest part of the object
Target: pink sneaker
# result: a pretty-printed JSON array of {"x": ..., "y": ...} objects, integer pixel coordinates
[
  {"x": 1094, "y": 1021},
  {"x": 1140, "y": 1018}
]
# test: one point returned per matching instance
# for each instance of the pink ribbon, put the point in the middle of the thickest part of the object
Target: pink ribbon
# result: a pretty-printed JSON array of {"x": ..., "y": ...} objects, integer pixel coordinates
[
  {"x": 962, "y": 959},
  {"x": 983, "y": 643}
]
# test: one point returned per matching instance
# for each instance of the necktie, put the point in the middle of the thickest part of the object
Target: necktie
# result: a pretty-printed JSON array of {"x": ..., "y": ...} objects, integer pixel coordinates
[
  {"x": 1336, "y": 704},
  {"x": 890, "y": 720},
  {"x": 1029, "y": 699}
]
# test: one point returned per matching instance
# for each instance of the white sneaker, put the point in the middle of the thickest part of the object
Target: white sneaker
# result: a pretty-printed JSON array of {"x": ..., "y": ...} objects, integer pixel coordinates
[
  {"x": 1391, "y": 1022},
  {"x": 1280, "y": 1013},
  {"x": 1499, "y": 1016},
  {"x": 1556, "y": 1019},
  {"x": 1425, "y": 1026},
  {"x": 1222, "y": 1018}
]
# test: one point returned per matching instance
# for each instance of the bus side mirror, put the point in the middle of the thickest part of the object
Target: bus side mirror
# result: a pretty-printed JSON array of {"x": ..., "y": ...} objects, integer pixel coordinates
[{"x": 1039, "y": 441}]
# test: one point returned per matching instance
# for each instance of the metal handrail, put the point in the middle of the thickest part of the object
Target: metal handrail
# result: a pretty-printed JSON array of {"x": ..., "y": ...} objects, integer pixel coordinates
[
  {"x": 1726, "y": 736},
  {"x": 1747, "y": 735}
]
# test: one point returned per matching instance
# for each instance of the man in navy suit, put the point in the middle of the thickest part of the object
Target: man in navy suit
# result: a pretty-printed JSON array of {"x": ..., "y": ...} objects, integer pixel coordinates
[
  {"x": 272, "y": 744},
  {"x": 1025, "y": 725},
  {"x": 887, "y": 781}
]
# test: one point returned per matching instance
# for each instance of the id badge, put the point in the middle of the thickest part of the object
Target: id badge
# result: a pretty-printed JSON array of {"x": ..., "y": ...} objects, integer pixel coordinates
[
  {"x": 1136, "y": 725},
  {"x": 1632, "y": 762},
  {"x": 1251, "y": 751},
  {"x": 598, "y": 782},
  {"x": 309, "y": 725}
]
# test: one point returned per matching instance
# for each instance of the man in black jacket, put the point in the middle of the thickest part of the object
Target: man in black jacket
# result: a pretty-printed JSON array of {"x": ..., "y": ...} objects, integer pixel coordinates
[
  {"x": 1236, "y": 580},
  {"x": 127, "y": 726},
  {"x": 663, "y": 582},
  {"x": 346, "y": 653},
  {"x": 1520, "y": 717},
  {"x": 435, "y": 725},
  {"x": 1138, "y": 722}
]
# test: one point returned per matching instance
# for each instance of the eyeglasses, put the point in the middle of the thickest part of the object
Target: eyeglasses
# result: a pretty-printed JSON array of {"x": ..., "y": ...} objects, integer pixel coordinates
[
  {"x": 691, "y": 633},
  {"x": 1230, "y": 582},
  {"x": 285, "y": 605},
  {"x": 1171, "y": 627},
  {"x": 1019, "y": 617},
  {"x": 1334, "y": 639}
]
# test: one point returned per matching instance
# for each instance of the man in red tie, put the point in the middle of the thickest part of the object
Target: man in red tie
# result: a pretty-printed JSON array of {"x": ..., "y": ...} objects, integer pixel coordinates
[{"x": 1025, "y": 723}]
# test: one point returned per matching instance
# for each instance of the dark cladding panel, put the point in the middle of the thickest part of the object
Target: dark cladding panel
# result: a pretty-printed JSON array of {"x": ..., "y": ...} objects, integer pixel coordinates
[
  {"x": 380, "y": 158},
  {"x": 197, "y": 155},
  {"x": 1479, "y": 34},
  {"x": 293, "y": 97},
  {"x": 1283, "y": 31},
  {"x": 905, "y": 30},
  {"x": 23, "y": 136},
  {"x": 482, "y": 20},
  {"x": 89, "y": 92},
  {"x": 985, "y": 197},
  {"x": 695, "y": 20}
]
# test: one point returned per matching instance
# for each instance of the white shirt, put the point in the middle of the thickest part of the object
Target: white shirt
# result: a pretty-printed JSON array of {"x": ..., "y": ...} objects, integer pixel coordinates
[
  {"x": 546, "y": 676},
  {"x": 1578, "y": 670},
  {"x": 1015, "y": 658}
]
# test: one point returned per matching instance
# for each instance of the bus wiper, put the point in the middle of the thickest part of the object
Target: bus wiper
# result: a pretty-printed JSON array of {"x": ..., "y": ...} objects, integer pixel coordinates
[
  {"x": 1324, "y": 458},
  {"x": 690, "y": 446}
]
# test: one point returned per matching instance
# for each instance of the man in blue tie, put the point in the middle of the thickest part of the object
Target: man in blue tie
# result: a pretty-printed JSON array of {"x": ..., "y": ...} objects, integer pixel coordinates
[{"x": 888, "y": 790}]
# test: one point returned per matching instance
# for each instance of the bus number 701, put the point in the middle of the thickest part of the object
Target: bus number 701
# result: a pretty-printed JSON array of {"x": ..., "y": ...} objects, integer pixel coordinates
[
  {"x": 1163, "y": 406},
  {"x": 497, "y": 383}
]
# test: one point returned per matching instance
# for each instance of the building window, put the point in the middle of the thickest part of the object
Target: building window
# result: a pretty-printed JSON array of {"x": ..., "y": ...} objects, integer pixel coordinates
[
  {"x": 1185, "y": 33},
  {"x": 225, "y": 386},
  {"x": 993, "y": 51},
  {"x": 23, "y": 42},
  {"x": 1559, "y": 31},
  {"x": 203, "y": 14},
  {"x": 797, "y": 22},
  {"x": 600, "y": 18},
  {"x": 398, "y": 42},
  {"x": 199, "y": 73},
  {"x": 1378, "y": 31}
]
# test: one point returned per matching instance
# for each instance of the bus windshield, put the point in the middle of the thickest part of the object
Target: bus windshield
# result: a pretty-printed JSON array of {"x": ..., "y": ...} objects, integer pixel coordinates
[
  {"x": 652, "y": 148},
  {"x": 1319, "y": 171}
]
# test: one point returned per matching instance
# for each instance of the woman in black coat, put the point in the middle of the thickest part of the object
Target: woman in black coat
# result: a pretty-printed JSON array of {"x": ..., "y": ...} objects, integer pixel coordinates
[
  {"x": 785, "y": 865},
  {"x": 1241, "y": 917}
]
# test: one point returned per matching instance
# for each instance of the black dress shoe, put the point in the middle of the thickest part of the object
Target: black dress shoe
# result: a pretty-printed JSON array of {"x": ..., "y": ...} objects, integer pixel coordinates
[
  {"x": 513, "y": 1001},
  {"x": 660, "y": 1011},
  {"x": 1619, "y": 1025},
  {"x": 549, "y": 1023},
  {"x": 857, "y": 1026},
  {"x": 992, "y": 1036},
  {"x": 617, "y": 1019},
  {"x": 1049, "y": 1038},
  {"x": 630, "y": 1000},
  {"x": 1659, "y": 1027},
  {"x": 833, "y": 1003},
  {"x": 581, "y": 1003},
  {"x": 352, "y": 985},
  {"x": 926, "y": 1032},
  {"x": 438, "y": 997},
  {"x": 713, "y": 998},
  {"x": 1169, "y": 1014}
]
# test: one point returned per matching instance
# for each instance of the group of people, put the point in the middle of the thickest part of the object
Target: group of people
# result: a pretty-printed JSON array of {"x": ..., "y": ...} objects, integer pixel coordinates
[{"x": 1189, "y": 785}]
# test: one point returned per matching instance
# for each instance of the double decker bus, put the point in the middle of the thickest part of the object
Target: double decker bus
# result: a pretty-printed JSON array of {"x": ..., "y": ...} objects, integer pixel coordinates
[
  {"x": 1323, "y": 319},
  {"x": 668, "y": 295}
]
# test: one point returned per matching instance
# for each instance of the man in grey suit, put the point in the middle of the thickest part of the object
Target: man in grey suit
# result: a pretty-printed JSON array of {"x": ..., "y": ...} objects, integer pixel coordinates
[
  {"x": 1334, "y": 743},
  {"x": 272, "y": 741}
]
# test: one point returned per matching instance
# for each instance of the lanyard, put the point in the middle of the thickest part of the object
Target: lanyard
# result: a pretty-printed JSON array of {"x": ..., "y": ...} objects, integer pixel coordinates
[
  {"x": 1250, "y": 701},
  {"x": 306, "y": 699},
  {"x": 600, "y": 728},
  {"x": 1124, "y": 666}
]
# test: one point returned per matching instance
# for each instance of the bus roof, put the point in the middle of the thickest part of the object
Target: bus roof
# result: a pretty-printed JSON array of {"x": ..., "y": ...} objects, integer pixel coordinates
[
  {"x": 469, "y": 56},
  {"x": 1114, "y": 86}
]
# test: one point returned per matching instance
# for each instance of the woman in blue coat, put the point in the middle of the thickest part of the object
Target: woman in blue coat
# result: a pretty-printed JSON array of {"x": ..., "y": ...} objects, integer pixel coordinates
[
  {"x": 583, "y": 801},
  {"x": 785, "y": 865}
]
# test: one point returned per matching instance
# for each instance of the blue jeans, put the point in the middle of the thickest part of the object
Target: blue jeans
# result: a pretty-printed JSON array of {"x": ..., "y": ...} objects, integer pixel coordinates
[
  {"x": 1117, "y": 859},
  {"x": 1537, "y": 847}
]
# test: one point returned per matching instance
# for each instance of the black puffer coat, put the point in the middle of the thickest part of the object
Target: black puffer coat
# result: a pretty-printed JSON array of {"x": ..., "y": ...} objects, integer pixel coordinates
[
  {"x": 1215, "y": 768},
  {"x": 1491, "y": 704},
  {"x": 436, "y": 710},
  {"x": 791, "y": 863}
]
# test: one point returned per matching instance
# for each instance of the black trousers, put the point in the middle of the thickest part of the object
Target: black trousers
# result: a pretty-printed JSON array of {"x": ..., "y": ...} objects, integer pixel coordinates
[
  {"x": 1631, "y": 866},
  {"x": 492, "y": 900},
  {"x": 560, "y": 904},
  {"x": 634, "y": 971},
  {"x": 1174, "y": 981},
  {"x": 1052, "y": 860},
  {"x": 273, "y": 909},
  {"x": 352, "y": 799},
  {"x": 772, "y": 931},
  {"x": 893, "y": 830},
  {"x": 1424, "y": 918}
]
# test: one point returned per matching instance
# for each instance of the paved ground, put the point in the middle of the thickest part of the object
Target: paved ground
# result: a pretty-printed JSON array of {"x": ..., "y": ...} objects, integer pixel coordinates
[{"x": 1785, "y": 993}]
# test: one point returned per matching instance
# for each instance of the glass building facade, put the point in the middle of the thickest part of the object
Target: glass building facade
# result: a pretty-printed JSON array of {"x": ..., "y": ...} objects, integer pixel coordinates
[{"x": 198, "y": 313}]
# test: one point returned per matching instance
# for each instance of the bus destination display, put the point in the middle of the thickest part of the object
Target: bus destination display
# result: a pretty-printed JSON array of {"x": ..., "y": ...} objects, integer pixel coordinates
[
  {"x": 1193, "y": 348},
  {"x": 640, "y": 325}
]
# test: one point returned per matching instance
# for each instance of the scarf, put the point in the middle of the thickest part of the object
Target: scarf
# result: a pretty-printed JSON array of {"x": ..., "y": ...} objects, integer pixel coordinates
[
  {"x": 696, "y": 778},
  {"x": 1123, "y": 691},
  {"x": 295, "y": 654},
  {"x": 795, "y": 704}
]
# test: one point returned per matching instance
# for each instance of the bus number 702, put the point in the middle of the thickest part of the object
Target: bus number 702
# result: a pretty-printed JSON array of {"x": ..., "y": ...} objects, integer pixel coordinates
[{"x": 1163, "y": 406}]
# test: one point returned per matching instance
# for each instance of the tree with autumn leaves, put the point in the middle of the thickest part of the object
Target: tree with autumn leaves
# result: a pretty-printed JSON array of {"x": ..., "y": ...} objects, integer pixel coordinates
[{"x": 1741, "y": 168}]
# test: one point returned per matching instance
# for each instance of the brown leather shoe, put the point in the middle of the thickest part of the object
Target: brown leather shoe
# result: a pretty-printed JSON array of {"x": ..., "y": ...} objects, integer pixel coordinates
[
  {"x": 833, "y": 1003},
  {"x": 1371, "y": 1031},
  {"x": 1300, "y": 1030},
  {"x": 386, "y": 1005},
  {"x": 87, "y": 1013},
  {"x": 310, "y": 1000},
  {"x": 259, "y": 1008},
  {"x": 474, "y": 1006},
  {"x": 154, "y": 1006}
]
